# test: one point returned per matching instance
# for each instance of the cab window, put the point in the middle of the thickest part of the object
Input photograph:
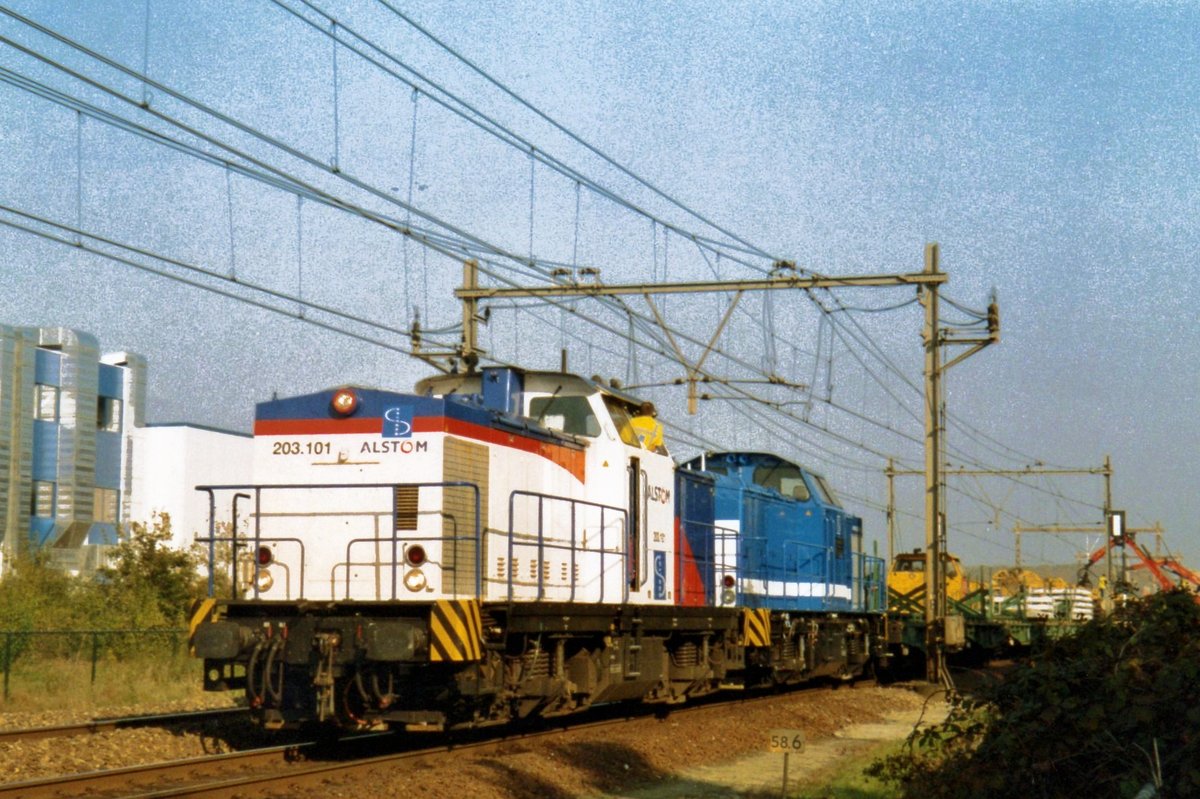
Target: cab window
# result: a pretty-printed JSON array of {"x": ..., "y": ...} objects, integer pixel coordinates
[
  {"x": 824, "y": 492},
  {"x": 794, "y": 487},
  {"x": 622, "y": 420},
  {"x": 782, "y": 477},
  {"x": 568, "y": 414}
]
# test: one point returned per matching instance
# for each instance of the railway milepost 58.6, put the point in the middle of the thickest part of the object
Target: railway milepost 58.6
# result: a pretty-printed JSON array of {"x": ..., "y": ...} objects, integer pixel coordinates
[{"x": 786, "y": 741}]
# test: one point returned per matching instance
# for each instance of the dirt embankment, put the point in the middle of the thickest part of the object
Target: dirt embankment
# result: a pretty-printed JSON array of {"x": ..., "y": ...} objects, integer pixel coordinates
[{"x": 706, "y": 754}]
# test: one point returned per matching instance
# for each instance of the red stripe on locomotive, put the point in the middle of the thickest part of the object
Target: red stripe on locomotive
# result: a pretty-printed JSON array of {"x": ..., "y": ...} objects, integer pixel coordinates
[{"x": 569, "y": 458}]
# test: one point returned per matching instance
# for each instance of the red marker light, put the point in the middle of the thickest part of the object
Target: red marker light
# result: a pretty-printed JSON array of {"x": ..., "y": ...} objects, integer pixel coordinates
[
  {"x": 727, "y": 581},
  {"x": 344, "y": 402},
  {"x": 264, "y": 556},
  {"x": 415, "y": 555}
]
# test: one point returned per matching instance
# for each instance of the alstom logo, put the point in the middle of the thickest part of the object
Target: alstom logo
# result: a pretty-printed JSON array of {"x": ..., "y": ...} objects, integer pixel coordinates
[
  {"x": 397, "y": 422},
  {"x": 658, "y": 494}
]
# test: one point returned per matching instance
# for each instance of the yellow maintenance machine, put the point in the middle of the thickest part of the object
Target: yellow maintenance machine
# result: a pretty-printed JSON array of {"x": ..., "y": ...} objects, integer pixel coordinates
[{"x": 906, "y": 582}]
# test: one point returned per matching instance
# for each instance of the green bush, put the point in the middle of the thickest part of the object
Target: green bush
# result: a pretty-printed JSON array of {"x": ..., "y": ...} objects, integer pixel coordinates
[
  {"x": 113, "y": 636},
  {"x": 1104, "y": 713},
  {"x": 146, "y": 585},
  {"x": 149, "y": 582},
  {"x": 34, "y": 596}
]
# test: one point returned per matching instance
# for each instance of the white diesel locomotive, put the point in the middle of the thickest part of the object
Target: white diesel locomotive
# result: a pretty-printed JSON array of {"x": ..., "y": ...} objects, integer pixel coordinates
[{"x": 502, "y": 544}]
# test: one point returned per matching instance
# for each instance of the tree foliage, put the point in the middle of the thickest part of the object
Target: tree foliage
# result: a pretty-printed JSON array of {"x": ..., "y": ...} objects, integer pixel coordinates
[
  {"x": 146, "y": 584},
  {"x": 161, "y": 579},
  {"x": 1105, "y": 712}
]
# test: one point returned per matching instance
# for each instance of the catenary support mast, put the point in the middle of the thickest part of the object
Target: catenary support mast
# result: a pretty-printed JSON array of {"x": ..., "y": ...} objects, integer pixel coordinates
[
  {"x": 935, "y": 587},
  {"x": 935, "y": 337}
]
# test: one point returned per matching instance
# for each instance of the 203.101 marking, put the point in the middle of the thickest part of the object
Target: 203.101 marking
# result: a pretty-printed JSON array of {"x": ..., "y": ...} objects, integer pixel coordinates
[{"x": 298, "y": 448}]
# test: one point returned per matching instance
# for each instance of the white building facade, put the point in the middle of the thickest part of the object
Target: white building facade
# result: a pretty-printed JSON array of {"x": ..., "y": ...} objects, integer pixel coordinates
[{"x": 171, "y": 460}]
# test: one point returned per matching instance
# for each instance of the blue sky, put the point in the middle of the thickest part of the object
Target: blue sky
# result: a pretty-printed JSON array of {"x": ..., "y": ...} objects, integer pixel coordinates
[{"x": 1050, "y": 148}]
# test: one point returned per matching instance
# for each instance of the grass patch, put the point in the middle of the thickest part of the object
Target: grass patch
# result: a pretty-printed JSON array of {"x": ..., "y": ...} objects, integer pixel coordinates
[
  {"x": 847, "y": 780},
  {"x": 37, "y": 684}
]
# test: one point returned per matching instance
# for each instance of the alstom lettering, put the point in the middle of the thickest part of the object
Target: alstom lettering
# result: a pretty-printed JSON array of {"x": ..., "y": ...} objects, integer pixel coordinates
[{"x": 403, "y": 446}]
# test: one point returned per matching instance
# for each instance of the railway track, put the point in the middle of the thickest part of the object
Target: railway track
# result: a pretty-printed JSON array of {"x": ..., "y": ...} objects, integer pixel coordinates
[
  {"x": 140, "y": 780},
  {"x": 124, "y": 723},
  {"x": 294, "y": 768}
]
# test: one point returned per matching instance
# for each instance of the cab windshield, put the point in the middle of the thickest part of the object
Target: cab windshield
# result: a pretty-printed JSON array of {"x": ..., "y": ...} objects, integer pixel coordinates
[
  {"x": 782, "y": 477},
  {"x": 825, "y": 492},
  {"x": 566, "y": 414}
]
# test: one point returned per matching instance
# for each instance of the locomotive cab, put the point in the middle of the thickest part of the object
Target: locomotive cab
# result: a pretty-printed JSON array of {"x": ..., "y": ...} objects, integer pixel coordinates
[
  {"x": 620, "y": 487},
  {"x": 788, "y": 543}
]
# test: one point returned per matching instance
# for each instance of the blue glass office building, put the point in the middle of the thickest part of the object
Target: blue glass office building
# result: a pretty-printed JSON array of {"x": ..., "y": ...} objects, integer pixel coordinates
[{"x": 66, "y": 415}]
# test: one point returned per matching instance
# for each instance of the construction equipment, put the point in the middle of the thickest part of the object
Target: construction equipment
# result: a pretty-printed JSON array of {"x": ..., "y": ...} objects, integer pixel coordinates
[
  {"x": 1157, "y": 567},
  {"x": 906, "y": 581}
]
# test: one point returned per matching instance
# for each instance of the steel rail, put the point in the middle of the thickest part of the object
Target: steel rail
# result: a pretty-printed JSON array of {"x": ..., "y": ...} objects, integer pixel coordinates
[
  {"x": 93, "y": 783},
  {"x": 297, "y": 778},
  {"x": 123, "y": 723}
]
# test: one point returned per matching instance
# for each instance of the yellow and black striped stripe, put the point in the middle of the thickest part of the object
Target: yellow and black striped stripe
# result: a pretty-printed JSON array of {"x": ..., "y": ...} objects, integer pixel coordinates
[
  {"x": 455, "y": 631},
  {"x": 201, "y": 611},
  {"x": 756, "y": 627}
]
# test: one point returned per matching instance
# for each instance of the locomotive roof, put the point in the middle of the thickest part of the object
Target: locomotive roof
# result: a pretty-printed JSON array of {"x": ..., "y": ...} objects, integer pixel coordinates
[
  {"x": 470, "y": 384},
  {"x": 753, "y": 456}
]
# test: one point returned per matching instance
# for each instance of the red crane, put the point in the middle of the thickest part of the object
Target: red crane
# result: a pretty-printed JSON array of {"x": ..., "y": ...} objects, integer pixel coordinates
[{"x": 1158, "y": 567}]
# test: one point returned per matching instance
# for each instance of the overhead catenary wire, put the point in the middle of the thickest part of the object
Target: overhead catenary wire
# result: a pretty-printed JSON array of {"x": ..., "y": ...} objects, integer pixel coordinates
[
  {"x": 335, "y": 31},
  {"x": 289, "y": 150},
  {"x": 320, "y": 196},
  {"x": 84, "y": 245},
  {"x": 265, "y": 173},
  {"x": 472, "y": 114},
  {"x": 243, "y": 128},
  {"x": 453, "y": 248},
  {"x": 748, "y": 247},
  {"x": 979, "y": 316},
  {"x": 517, "y": 141}
]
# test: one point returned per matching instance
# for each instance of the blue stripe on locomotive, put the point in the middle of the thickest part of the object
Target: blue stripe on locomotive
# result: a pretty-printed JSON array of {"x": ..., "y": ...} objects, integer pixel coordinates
[
  {"x": 795, "y": 546},
  {"x": 382, "y": 404},
  {"x": 372, "y": 403}
]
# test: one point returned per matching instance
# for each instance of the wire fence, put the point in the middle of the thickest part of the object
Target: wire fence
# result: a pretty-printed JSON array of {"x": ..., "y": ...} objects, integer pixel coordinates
[{"x": 39, "y": 657}]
